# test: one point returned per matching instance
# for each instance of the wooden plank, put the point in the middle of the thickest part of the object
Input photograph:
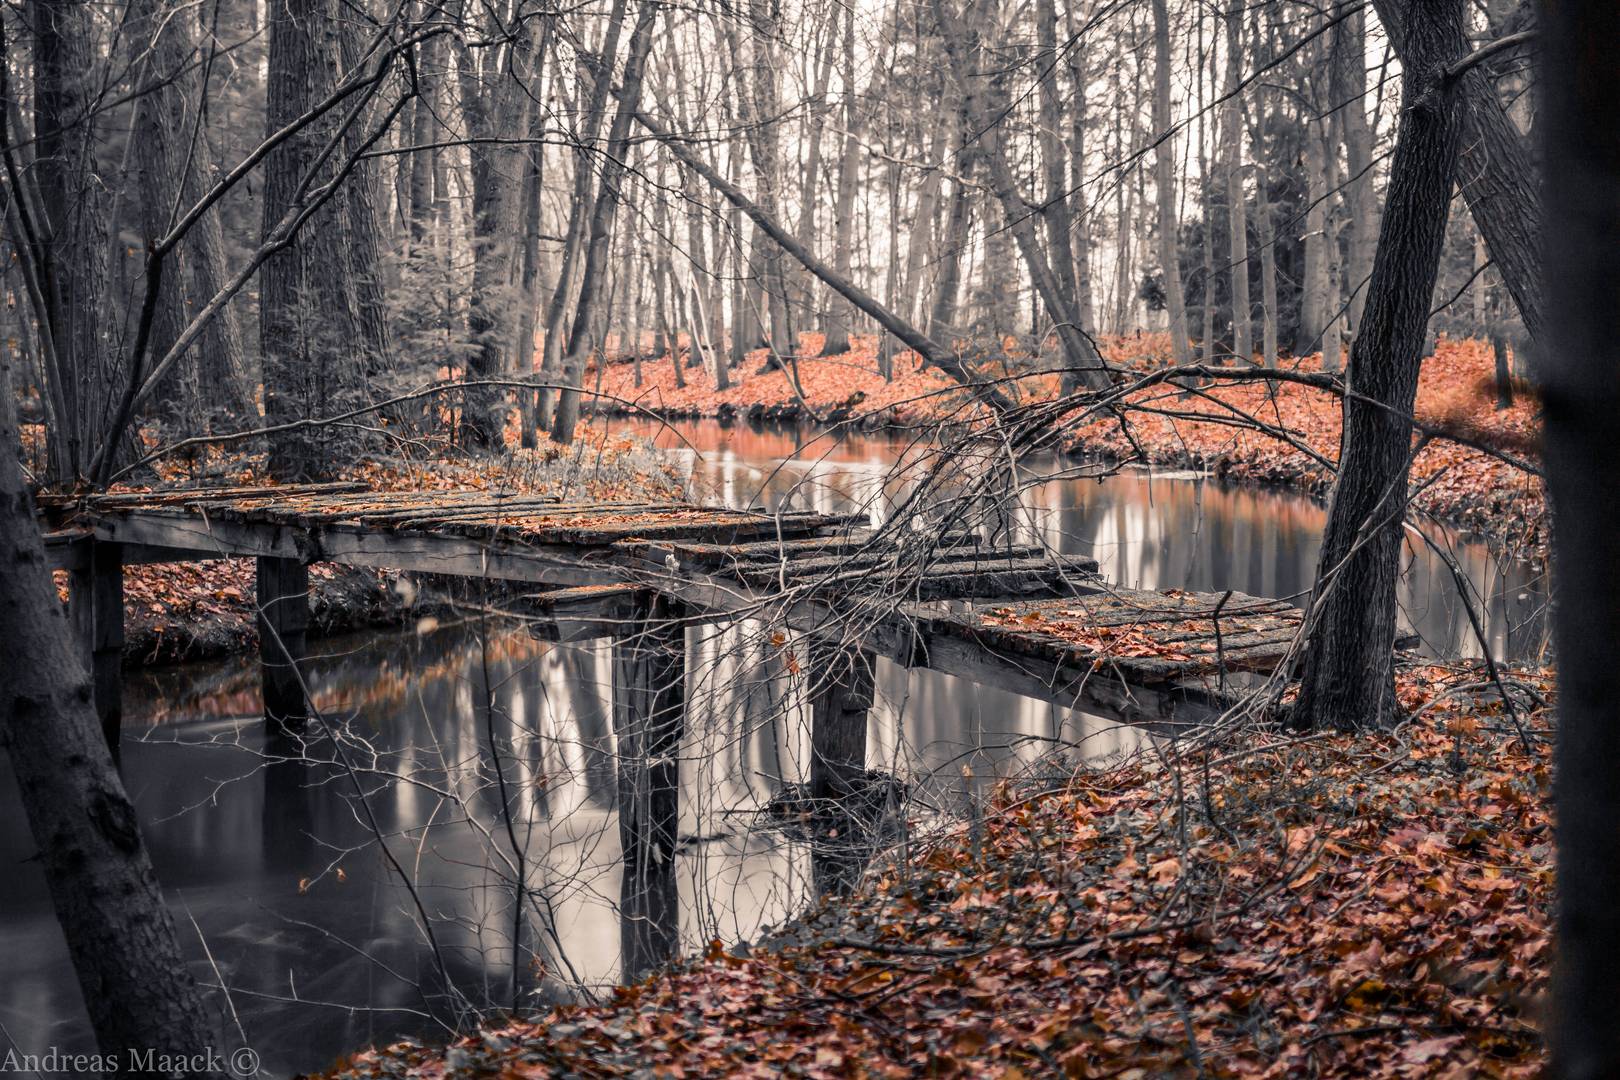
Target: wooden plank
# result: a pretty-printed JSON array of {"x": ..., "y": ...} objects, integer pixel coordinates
[
  {"x": 585, "y": 612},
  {"x": 160, "y": 528},
  {"x": 461, "y": 557}
]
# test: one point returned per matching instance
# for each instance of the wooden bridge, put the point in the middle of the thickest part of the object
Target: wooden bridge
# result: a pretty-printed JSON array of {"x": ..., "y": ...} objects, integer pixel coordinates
[{"x": 1015, "y": 617}]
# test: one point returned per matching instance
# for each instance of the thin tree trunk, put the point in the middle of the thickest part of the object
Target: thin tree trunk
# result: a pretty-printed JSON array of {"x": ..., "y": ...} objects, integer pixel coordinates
[
  {"x": 1350, "y": 94},
  {"x": 565, "y": 296},
  {"x": 1164, "y": 174},
  {"x": 1055, "y": 162},
  {"x": 1348, "y": 678},
  {"x": 849, "y": 163},
  {"x": 586, "y": 330},
  {"x": 1236, "y": 201},
  {"x": 307, "y": 318}
]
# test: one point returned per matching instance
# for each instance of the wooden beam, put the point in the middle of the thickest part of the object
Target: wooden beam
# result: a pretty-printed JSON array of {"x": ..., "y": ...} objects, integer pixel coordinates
[
  {"x": 586, "y": 612},
  {"x": 283, "y": 621},
  {"x": 649, "y": 720},
  {"x": 96, "y": 602}
]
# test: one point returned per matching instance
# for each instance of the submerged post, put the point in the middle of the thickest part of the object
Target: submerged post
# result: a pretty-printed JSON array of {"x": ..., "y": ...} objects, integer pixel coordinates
[
  {"x": 649, "y": 713},
  {"x": 283, "y": 620},
  {"x": 841, "y": 698},
  {"x": 96, "y": 601}
]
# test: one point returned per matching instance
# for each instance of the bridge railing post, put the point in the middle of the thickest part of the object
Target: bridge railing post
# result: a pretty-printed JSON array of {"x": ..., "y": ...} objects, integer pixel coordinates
[
  {"x": 283, "y": 621},
  {"x": 96, "y": 602},
  {"x": 649, "y": 719}
]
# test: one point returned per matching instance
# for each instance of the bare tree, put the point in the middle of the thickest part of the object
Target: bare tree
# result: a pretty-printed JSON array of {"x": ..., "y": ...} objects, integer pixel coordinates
[{"x": 1348, "y": 677}]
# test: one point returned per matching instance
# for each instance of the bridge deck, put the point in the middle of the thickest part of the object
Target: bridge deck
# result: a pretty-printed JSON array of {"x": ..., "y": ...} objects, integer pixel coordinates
[{"x": 1015, "y": 616}]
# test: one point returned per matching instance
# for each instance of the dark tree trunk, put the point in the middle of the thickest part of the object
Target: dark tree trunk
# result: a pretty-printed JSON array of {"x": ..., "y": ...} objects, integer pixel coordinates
[
  {"x": 1581, "y": 397},
  {"x": 1348, "y": 680},
  {"x": 134, "y": 979},
  {"x": 73, "y": 203},
  {"x": 308, "y": 321},
  {"x": 1497, "y": 178}
]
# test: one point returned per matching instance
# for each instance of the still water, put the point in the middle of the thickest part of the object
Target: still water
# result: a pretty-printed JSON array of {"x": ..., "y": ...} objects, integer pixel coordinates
[{"x": 285, "y": 896}]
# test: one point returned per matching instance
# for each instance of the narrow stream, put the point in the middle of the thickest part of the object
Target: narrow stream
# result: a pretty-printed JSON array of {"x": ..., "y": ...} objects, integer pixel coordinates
[{"x": 274, "y": 866}]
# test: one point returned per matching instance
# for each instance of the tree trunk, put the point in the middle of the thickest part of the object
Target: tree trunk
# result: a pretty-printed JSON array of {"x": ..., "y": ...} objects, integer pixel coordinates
[
  {"x": 136, "y": 986},
  {"x": 1580, "y": 395},
  {"x": 74, "y": 230},
  {"x": 586, "y": 329},
  {"x": 849, "y": 166},
  {"x": 942, "y": 316},
  {"x": 1055, "y": 162},
  {"x": 1079, "y": 212},
  {"x": 492, "y": 116},
  {"x": 169, "y": 176},
  {"x": 1236, "y": 202},
  {"x": 564, "y": 297},
  {"x": 307, "y": 321},
  {"x": 1348, "y": 680},
  {"x": 988, "y": 110},
  {"x": 1164, "y": 174},
  {"x": 1350, "y": 95},
  {"x": 1498, "y": 180}
]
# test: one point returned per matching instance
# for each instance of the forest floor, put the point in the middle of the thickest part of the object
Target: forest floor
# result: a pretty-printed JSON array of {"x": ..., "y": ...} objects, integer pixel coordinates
[
  {"x": 174, "y": 612},
  {"x": 1456, "y": 393},
  {"x": 1268, "y": 906}
]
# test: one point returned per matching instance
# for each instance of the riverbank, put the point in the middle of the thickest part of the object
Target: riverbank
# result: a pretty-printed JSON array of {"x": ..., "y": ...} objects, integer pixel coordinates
[
  {"x": 1273, "y": 906},
  {"x": 179, "y": 612},
  {"x": 1211, "y": 430}
]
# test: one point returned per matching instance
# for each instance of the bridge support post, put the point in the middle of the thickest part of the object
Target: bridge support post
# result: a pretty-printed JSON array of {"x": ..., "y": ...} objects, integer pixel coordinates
[
  {"x": 96, "y": 602},
  {"x": 283, "y": 620},
  {"x": 649, "y": 714},
  {"x": 841, "y": 698}
]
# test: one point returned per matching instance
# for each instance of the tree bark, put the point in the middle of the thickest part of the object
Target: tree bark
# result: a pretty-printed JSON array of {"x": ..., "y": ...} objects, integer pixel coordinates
[
  {"x": 1348, "y": 679},
  {"x": 1497, "y": 178},
  {"x": 1580, "y": 396},
  {"x": 836, "y": 340},
  {"x": 564, "y": 297},
  {"x": 1350, "y": 95},
  {"x": 136, "y": 986},
  {"x": 307, "y": 317}
]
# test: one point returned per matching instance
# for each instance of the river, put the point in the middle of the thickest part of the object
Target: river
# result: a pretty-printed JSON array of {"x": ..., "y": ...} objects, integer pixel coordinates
[{"x": 283, "y": 894}]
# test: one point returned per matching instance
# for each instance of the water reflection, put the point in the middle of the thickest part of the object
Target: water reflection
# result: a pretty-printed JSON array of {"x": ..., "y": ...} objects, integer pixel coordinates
[{"x": 486, "y": 762}]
